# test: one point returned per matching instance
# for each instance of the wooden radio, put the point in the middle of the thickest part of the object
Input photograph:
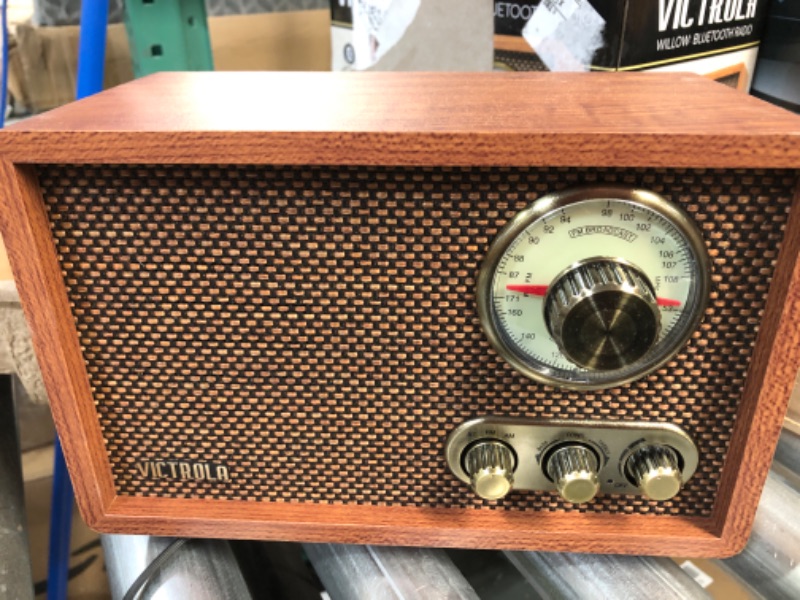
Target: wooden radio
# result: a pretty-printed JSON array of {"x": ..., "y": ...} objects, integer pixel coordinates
[{"x": 541, "y": 311}]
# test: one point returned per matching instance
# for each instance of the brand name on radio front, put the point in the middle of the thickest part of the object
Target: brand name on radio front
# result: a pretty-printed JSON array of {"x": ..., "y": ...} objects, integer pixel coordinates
[{"x": 173, "y": 469}]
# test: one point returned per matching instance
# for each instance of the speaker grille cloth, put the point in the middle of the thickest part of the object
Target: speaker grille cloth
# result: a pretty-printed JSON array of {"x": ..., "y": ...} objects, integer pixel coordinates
[
  {"x": 730, "y": 80},
  {"x": 314, "y": 329},
  {"x": 519, "y": 61}
]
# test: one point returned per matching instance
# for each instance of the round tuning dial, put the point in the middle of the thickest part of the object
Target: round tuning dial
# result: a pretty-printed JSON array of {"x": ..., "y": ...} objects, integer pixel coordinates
[
  {"x": 603, "y": 314},
  {"x": 573, "y": 468},
  {"x": 594, "y": 287},
  {"x": 490, "y": 466},
  {"x": 656, "y": 471}
]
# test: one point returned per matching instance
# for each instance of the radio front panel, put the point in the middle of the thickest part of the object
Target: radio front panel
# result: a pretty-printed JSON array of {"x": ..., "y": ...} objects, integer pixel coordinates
[{"x": 418, "y": 317}]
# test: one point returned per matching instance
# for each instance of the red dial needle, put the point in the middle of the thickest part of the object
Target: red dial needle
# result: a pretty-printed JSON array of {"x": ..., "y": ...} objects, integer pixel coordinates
[
  {"x": 524, "y": 288},
  {"x": 541, "y": 290}
]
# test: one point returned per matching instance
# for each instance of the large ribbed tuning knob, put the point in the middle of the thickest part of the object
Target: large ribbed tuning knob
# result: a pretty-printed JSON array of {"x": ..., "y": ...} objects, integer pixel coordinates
[
  {"x": 656, "y": 471},
  {"x": 490, "y": 466},
  {"x": 573, "y": 468},
  {"x": 603, "y": 314}
]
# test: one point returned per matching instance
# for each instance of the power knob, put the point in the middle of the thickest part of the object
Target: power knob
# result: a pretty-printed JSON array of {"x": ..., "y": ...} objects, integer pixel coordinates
[
  {"x": 490, "y": 466},
  {"x": 573, "y": 468},
  {"x": 656, "y": 471},
  {"x": 603, "y": 314}
]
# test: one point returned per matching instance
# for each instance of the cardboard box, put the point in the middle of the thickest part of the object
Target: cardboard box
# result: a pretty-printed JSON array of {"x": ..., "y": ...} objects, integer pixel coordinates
[
  {"x": 569, "y": 35},
  {"x": 716, "y": 38},
  {"x": 281, "y": 41},
  {"x": 43, "y": 60},
  {"x": 411, "y": 35}
]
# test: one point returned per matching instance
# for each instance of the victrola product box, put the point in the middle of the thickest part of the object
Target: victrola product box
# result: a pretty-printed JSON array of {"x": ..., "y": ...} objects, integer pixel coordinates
[{"x": 716, "y": 38}]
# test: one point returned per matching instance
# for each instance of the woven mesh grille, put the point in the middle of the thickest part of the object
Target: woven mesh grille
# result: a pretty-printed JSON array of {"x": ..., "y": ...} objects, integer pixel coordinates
[
  {"x": 313, "y": 329},
  {"x": 519, "y": 61},
  {"x": 731, "y": 80}
]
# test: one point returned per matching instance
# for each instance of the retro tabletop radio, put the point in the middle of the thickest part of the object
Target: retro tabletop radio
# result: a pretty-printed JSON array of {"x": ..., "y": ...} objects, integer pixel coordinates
[{"x": 540, "y": 311}]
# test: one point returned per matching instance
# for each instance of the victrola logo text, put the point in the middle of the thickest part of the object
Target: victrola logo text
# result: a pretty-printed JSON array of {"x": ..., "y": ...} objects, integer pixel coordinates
[
  {"x": 174, "y": 469},
  {"x": 711, "y": 12}
]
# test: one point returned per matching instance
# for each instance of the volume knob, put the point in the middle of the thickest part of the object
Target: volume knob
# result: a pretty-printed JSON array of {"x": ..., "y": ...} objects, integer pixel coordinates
[
  {"x": 490, "y": 466},
  {"x": 656, "y": 471},
  {"x": 573, "y": 469},
  {"x": 603, "y": 314}
]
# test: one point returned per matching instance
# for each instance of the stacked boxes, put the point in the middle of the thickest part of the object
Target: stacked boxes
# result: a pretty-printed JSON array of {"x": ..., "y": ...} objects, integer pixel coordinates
[{"x": 716, "y": 38}]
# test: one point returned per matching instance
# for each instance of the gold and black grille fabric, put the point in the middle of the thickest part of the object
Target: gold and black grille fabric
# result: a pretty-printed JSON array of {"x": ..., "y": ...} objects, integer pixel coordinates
[{"x": 313, "y": 329}]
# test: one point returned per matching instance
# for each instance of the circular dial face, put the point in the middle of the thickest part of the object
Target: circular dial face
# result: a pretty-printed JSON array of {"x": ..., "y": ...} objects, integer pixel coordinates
[{"x": 549, "y": 241}]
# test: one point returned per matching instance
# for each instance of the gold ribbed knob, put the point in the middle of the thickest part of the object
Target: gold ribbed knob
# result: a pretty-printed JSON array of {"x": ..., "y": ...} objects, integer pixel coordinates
[
  {"x": 573, "y": 468},
  {"x": 656, "y": 471},
  {"x": 490, "y": 466},
  {"x": 603, "y": 314}
]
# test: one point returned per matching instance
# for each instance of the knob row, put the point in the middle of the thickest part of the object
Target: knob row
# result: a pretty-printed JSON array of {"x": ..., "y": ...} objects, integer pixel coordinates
[{"x": 573, "y": 468}]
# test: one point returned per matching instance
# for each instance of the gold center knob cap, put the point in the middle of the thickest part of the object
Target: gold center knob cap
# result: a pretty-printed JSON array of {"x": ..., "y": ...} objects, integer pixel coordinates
[
  {"x": 655, "y": 469},
  {"x": 603, "y": 314},
  {"x": 573, "y": 468},
  {"x": 490, "y": 466}
]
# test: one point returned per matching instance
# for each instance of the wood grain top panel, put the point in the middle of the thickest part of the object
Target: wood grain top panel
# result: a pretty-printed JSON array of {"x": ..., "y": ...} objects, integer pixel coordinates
[
  {"x": 600, "y": 119},
  {"x": 416, "y": 102}
]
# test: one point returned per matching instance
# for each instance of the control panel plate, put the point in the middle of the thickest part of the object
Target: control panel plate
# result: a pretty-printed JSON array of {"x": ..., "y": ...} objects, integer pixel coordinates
[{"x": 534, "y": 440}]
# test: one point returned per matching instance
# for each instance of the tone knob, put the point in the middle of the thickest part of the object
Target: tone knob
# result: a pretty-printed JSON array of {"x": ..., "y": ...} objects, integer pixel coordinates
[
  {"x": 573, "y": 469},
  {"x": 490, "y": 466},
  {"x": 656, "y": 471},
  {"x": 603, "y": 314}
]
